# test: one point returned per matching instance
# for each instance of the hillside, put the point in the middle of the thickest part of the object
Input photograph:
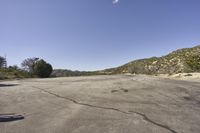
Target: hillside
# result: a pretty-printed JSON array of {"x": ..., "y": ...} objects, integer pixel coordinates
[
  {"x": 69, "y": 73},
  {"x": 10, "y": 73},
  {"x": 179, "y": 61}
]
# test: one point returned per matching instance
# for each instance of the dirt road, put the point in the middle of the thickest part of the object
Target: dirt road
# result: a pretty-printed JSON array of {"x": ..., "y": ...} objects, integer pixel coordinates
[{"x": 100, "y": 104}]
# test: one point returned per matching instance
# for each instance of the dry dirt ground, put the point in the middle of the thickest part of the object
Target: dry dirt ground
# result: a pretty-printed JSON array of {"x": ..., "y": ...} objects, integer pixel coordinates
[
  {"x": 100, "y": 104},
  {"x": 182, "y": 76}
]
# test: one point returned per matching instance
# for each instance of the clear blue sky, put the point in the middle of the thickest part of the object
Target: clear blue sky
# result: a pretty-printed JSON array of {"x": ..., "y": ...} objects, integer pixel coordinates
[{"x": 96, "y": 34}]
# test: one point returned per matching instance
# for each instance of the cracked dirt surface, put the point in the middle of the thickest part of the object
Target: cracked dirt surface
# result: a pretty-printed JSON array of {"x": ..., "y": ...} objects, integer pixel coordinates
[{"x": 88, "y": 105}]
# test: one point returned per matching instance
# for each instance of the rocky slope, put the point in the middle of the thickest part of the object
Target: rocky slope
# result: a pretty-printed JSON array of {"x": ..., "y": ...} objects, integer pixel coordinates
[{"x": 179, "y": 61}]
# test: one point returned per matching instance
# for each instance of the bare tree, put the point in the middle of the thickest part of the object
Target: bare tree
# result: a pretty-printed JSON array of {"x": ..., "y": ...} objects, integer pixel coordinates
[{"x": 28, "y": 64}]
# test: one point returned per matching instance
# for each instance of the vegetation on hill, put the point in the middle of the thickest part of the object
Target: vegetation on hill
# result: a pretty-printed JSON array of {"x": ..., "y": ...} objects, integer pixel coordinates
[
  {"x": 37, "y": 67},
  {"x": 69, "y": 73},
  {"x": 31, "y": 67},
  {"x": 13, "y": 72},
  {"x": 179, "y": 61}
]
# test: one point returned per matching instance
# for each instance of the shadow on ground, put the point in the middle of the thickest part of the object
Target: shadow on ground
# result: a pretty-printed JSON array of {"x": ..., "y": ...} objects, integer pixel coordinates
[
  {"x": 8, "y": 85},
  {"x": 10, "y": 117}
]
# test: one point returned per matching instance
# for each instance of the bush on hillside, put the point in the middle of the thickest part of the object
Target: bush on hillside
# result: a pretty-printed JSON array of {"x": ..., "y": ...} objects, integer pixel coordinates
[{"x": 194, "y": 62}]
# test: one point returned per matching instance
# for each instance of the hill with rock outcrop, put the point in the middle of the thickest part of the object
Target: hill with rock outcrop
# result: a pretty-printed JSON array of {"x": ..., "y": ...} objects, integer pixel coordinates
[{"x": 179, "y": 61}]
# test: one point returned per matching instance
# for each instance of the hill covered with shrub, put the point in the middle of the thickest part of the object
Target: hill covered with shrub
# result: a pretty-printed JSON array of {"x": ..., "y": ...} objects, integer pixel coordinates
[
  {"x": 179, "y": 61},
  {"x": 69, "y": 73},
  {"x": 31, "y": 67},
  {"x": 12, "y": 73}
]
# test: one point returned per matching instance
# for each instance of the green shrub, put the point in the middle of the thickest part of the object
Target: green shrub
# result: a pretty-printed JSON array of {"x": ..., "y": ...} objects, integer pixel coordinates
[
  {"x": 42, "y": 69},
  {"x": 194, "y": 62}
]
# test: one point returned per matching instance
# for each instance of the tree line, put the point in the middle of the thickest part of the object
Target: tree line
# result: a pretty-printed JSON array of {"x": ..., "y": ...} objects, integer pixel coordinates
[{"x": 33, "y": 66}]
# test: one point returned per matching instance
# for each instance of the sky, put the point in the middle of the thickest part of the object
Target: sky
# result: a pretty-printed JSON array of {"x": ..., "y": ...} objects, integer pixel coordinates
[{"x": 96, "y": 34}]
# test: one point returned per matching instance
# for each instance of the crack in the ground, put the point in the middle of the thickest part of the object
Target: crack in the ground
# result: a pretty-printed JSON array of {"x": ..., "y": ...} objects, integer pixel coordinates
[
  {"x": 144, "y": 116},
  {"x": 84, "y": 104}
]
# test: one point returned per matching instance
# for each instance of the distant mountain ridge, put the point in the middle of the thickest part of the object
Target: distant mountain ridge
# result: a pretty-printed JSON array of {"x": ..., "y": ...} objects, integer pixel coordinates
[
  {"x": 179, "y": 61},
  {"x": 69, "y": 73},
  {"x": 184, "y": 60}
]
